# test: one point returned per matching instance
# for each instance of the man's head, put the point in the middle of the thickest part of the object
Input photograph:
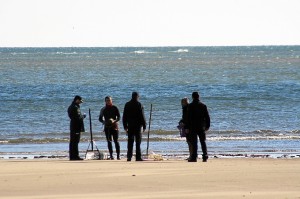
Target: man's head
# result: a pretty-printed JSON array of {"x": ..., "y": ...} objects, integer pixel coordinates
[
  {"x": 108, "y": 100},
  {"x": 195, "y": 95},
  {"x": 135, "y": 95},
  {"x": 78, "y": 99}
]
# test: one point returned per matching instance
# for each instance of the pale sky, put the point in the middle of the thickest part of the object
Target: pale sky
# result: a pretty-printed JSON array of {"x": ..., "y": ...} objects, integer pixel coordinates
[{"x": 104, "y": 23}]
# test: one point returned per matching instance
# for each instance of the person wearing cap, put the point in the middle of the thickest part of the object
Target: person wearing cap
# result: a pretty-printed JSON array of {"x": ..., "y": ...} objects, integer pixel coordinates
[
  {"x": 198, "y": 122},
  {"x": 76, "y": 127},
  {"x": 111, "y": 115},
  {"x": 133, "y": 121}
]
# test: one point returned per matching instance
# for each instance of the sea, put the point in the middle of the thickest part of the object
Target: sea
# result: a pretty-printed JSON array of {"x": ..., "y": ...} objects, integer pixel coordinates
[{"x": 252, "y": 94}]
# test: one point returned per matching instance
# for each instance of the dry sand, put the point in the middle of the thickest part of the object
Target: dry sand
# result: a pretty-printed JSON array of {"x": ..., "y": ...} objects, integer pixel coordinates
[{"x": 174, "y": 179}]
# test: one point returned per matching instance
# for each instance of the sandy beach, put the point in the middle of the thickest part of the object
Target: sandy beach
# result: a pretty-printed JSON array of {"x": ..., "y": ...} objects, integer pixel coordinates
[{"x": 218, "y": 178}]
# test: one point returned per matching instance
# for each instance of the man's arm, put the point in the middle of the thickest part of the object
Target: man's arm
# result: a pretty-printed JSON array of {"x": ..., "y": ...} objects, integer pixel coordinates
[
  {"x": 101, "y": 115},
  {"x": 124, "y": 118},
  {"x": 207, "y": 119}
]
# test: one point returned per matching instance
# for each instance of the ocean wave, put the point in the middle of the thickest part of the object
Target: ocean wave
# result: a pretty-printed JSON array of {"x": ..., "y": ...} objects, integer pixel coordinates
[
  {"x": 65, "y": 53},
  {"x": 35, "y": 141},
  {"x": 181, "y": 51},
  {"x": 153, "y": 138},
  {"x": 282, "y": 137},
  {"x": 142, "y": 52},
  {"x": 21, "y": 53},
  {"x": 83, "y": 139},
  {"x": 254, "y": 133}
]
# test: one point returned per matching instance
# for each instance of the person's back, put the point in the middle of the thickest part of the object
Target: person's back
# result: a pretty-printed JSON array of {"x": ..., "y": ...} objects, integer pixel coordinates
[
  {"x": 198, "y": 124},
  {"x": 198, "y": 117},
  {"x": 133, "y": 121},
  {"x": 133, "y": 115}
]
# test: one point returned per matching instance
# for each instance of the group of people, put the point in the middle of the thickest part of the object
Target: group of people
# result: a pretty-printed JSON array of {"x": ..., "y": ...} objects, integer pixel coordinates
[
  {"x": 195, "y": 122},
  {"x": 133, "y": 122}
]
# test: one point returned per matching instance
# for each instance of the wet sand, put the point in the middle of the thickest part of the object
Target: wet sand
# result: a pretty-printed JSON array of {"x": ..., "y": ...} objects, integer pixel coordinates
[{"x": 218, "y": 178}]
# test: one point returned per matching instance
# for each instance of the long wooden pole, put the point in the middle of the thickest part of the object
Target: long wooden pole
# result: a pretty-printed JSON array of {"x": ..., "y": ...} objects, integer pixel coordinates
[
  {"x": 91, "y": 130},
  {"x": 149, "y": 130}
]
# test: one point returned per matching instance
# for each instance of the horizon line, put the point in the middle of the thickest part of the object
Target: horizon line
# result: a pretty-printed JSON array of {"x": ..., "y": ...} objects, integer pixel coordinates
[{"x": 167, "y": 46}]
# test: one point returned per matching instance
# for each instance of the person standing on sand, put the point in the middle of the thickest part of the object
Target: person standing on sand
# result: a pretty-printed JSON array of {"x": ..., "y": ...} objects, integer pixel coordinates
[
  {"x": 111, "y": 116},
  {"x": 76, "y": 127},
  {"x": 183, "y": 124},
  {"x": 197, "y": 125},
  {"x": 133, "y": 121}
]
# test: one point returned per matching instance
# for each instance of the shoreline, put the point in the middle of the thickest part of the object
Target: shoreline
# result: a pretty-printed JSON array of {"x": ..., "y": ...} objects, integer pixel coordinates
[
  {"x": 217, "y": 178},
  {"x": 19, "y": 156}
]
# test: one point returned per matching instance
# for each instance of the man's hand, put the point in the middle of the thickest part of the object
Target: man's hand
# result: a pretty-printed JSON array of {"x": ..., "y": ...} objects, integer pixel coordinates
[{"x": 187, "y": 131}]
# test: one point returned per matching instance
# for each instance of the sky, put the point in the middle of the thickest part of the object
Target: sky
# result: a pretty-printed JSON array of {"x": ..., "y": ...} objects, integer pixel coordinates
[{"x": 110, "y": 23}]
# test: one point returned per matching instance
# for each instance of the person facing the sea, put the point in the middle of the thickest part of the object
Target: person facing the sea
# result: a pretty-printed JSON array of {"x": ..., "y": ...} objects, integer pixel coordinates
[
  {"x": 183, "y": 123},
  {"x": 76, "y": 127},
  {"x": 198, "y": 122},
  {"x": 111, "y": 116},
  {"x": 133, "y": 121}
]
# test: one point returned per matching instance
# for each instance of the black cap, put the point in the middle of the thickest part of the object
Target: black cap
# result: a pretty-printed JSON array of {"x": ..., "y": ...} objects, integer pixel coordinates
[
  {"x": 77, "y": 97},
  {"x": 195, "y": 95}
]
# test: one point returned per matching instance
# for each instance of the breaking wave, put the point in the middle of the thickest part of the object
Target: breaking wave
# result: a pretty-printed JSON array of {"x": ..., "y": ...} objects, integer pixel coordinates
[
  {"x": 181, "y": 51},
  {"x": 156, "y": 136}
]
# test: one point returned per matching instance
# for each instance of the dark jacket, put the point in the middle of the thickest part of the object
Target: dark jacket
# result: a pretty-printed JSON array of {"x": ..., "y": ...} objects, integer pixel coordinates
[
  {"x": 184, "y": 118},
  {"x": 76, "y": 123},
  {"x": 109, "y": 112},
  {"x": 133, "y": 115},
  {"x": 198, "y": 117}
]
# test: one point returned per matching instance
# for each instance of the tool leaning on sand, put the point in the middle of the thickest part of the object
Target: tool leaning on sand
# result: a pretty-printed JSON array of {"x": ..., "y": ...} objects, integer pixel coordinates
[
  {"x": 93, "y": 154},
  {"x": 152, "y": 156}
]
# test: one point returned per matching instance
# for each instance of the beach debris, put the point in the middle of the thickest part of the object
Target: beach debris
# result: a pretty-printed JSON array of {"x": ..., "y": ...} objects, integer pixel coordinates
[
  {"x": 96, "y": 155},
  {"x": 155, "y": 157}
]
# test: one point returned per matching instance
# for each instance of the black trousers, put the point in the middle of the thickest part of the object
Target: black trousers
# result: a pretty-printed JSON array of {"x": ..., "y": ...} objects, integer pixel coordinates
[
  {"x": 134, "y": 134},
  {"x": 112, "y": 135},
  {"x": 193, "y": 137},
  {"x": 188, "y": 140},
  {"x": 73, "y": 146}
]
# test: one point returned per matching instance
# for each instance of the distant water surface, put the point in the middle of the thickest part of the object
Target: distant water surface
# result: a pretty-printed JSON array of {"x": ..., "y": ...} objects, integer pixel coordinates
[{"x": 252, "y": 94}]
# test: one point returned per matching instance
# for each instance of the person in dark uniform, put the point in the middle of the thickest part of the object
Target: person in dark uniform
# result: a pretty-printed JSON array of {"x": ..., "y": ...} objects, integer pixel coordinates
[
  {"x": 76, "y": 127},
  {"x": 133, "y": 121},
  {"x": 111, "y": 116},
  {"x": 197, "y": 125}
]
